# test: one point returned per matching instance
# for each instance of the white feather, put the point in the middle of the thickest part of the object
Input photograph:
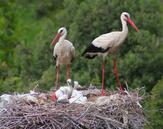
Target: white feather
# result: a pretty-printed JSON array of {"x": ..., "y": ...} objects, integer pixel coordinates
[
  {"x": 65, "y": 52},
  {"x": 110, "y": 40}
]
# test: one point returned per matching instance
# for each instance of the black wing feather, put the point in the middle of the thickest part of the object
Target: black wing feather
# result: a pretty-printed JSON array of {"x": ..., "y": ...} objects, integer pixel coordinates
[{"x": 94, "y": 49}]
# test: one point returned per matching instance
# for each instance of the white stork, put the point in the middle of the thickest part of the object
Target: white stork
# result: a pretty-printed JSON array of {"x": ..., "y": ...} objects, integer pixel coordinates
[
  {"x": 108, "y": 43},
  {"x": 64, "y": 52}
]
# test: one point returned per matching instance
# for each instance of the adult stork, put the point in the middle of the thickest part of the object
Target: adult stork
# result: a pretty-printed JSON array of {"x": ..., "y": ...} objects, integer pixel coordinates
[
  {"x": 64, "y": 53},
  {"x": 108, "y": 43}
]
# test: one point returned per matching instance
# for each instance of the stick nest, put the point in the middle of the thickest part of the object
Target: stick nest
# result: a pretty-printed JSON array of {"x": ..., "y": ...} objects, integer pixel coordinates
[{"x": 116, "y": 112}]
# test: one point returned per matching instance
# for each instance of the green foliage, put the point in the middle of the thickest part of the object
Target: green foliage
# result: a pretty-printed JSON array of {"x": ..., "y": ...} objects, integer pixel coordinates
[
  {"x": 13, "y": 84},
  {"x": 27, "y": 27},
  {"x": 143, "y": 62},
  {"x": 155, "y": 105},
  {"x": 3, "y": 70},
  {"x": 47, "y": 79},
  {"x": 7, "y": 41}
]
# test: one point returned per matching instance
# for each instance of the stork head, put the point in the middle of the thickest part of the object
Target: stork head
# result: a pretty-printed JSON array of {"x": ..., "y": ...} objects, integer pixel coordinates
[
  {"x": 69, "y": 82},
  {"x": 62, "y": 32},
  {"x": 126, "y": 17}
]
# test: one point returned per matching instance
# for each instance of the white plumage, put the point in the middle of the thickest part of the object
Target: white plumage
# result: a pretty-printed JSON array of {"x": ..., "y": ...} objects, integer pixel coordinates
[
  {"x": 109, "y": 40},
  {"x": 64, "y": 52},
  {"x": 108, "y": 43}
]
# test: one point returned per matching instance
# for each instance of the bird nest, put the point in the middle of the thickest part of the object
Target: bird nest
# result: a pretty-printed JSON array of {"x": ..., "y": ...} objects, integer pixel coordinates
[{"x": 117, "y": 111}]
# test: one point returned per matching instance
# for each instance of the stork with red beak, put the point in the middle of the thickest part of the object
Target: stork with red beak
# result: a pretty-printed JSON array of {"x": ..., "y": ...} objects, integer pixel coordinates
[
  {"x": 108, "y": 43},
  {"x": 64, "y": 52}
]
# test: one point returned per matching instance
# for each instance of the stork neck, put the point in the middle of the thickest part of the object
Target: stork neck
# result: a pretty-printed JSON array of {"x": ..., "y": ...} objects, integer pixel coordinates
[
  {"x": 124, "y": 26},
  {"x": 63, "y": 37}
]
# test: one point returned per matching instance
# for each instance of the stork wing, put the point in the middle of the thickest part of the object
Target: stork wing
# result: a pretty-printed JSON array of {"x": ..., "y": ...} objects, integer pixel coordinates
[
  {"x": 72, "y": 49},
  {"x": 73, "y": 52},
  {"x": 106, "y": 41}
]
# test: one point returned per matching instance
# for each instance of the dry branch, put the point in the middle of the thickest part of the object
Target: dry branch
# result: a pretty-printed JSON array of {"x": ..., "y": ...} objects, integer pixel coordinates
[{"x": 122, "y": 112}]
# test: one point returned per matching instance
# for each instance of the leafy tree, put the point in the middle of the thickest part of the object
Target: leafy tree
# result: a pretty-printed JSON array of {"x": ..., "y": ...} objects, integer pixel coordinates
[
  {"x": 27, "y": 28},
  {"x": 155, "y": 106},
  {"x": 7, "y": 40},
  {"x": 142, "y": 64}
]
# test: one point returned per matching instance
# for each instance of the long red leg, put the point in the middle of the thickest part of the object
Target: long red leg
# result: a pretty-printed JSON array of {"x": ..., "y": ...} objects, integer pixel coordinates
[
  {"x": 68, "y": 68},
  {"x": 116, "y": 72},
  {"x": 57, "y": 76},
  {"x": 103, "y": 77}
]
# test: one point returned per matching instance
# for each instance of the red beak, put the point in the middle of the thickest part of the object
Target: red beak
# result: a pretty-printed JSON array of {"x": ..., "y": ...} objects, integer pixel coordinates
[
  {"x": 55, "y": 40},
  {"x": 132, "y": 24}
]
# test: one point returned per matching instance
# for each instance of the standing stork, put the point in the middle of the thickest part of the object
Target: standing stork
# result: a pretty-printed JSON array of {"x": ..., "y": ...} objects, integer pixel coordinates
[
  {"x": 64, "y": 53},
  {"x": 108, "y": 43}
]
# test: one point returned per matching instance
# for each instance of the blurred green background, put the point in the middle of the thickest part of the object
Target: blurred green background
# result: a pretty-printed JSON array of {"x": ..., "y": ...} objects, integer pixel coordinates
[{"x": 27, "y": 28}]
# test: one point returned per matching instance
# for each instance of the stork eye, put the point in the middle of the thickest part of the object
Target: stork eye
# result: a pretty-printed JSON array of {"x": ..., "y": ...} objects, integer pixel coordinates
[
  {"x": 61, "y": 31},
  {"x": 126, "y": 15}
]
